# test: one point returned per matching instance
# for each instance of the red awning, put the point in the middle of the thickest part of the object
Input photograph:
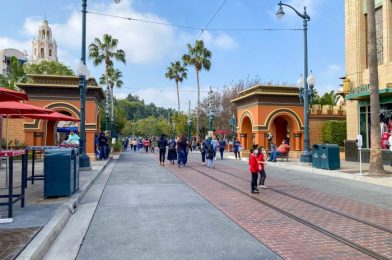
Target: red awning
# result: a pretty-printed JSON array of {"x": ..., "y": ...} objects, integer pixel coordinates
[
  {"x": 17, "y": 108},
  {"x": 11, "y": 95}
]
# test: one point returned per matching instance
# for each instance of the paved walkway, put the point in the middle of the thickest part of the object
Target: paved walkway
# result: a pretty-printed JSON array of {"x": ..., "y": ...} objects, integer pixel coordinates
[{"x": 145, "y": 212}]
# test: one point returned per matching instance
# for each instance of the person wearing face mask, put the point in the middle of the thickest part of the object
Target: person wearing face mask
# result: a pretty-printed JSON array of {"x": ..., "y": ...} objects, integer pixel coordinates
[{"x": 254, "y": 170}]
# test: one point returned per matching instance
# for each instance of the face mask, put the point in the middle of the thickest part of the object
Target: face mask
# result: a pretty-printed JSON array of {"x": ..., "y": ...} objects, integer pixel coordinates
[{"x": 256, "y": 151}]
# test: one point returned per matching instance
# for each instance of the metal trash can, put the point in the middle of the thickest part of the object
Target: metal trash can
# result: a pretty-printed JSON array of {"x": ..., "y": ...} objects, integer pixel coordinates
[
  {"x": 316, "y": 156},
  {"x": 59, "y": 171},
  {"x": 76, "y": 168},
  {"x": 329, "y": 156}
]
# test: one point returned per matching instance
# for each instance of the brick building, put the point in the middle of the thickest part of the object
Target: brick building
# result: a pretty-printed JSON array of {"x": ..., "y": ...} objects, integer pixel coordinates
[{"x": 277, "y": 110}]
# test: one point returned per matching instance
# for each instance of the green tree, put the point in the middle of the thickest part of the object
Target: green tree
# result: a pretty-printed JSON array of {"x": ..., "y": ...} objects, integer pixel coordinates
[
  {"x": 327, "y": 98},
  {"x": 48, "y": 68},
  {"x": 16, "y": 74},
  {"x": 376, "y": 163},
  {"x": 199, "y": 57},
  {"x": 104, "y": 52},
  {"x": 177, "y": 72}
]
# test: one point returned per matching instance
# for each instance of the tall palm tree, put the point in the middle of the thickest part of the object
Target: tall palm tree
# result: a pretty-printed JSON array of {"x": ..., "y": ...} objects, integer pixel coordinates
[
  {"x": 199, "y": 57},
  {"x": 105, "y": 51},
  {"x": 114, "y": 80},
  {"x": 178, "y": 72},
  {"x": 376, "y": 164}
]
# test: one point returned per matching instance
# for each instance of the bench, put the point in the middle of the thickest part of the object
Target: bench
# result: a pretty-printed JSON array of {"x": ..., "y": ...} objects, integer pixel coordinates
[{"x": 281, "y": 156}]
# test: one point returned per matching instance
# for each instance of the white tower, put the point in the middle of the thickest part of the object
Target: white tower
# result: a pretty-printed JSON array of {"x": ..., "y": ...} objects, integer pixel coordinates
[{"x": 44, "y": 48}]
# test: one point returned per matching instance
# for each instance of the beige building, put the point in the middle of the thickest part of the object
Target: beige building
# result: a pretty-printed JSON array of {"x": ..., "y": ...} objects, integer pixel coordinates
[
  {"x": 44, "y": 45},
  {"x": 357, "y": 78},
  {"x": 5, "y": 59}
]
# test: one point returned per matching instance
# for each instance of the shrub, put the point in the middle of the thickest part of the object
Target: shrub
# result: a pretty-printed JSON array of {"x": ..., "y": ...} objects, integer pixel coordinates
[
  {"x": 334, "y": 132},
  {"x": 117, "y": 147}
]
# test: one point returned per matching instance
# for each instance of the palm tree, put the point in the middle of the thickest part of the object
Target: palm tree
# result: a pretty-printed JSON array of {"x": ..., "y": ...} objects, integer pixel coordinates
[
  {"x": 376, "y": 164},
  {"x": 114, "y": 80},
  {"x": 200, "y": 57},
  {"x": 105, "y": 51},
  {"x": 178, "y": 72}
]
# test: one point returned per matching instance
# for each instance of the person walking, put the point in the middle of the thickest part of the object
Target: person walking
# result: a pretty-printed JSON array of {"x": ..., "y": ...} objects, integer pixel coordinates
[
  {"x": 102, "y": 142},
  {"x": 146, "y": 144},
  {"x": 222, "y": 144},
  {"x": 237, "y": 149},
  {"x": 172, "y": 153},
  {"x": 261, "y": 159},
  {"x": 134, "y": 145},
  {"x": 210, "y": 153},
  {"x": 254, "y": 169},
  {"x": 162, "y": 143},
  {"x": 181, "y": 151}
]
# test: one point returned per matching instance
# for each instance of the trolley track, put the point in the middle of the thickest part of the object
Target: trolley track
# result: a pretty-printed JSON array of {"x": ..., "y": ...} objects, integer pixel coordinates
[
  {"x": 382, "y": 228},
  {"x": 303, "y": 221}
]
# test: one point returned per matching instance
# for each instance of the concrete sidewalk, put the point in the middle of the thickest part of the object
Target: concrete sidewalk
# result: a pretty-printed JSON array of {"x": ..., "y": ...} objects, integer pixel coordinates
[
  {"x": 348, "y": 170},
  {"x": 41, "y": 218},
  {"x": 145, "y": 212}
]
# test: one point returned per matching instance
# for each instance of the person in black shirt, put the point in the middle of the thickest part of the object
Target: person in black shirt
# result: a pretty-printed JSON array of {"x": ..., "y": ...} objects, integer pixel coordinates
[
  {"x": 162, "y": 143},
  {"x": 102, "y": 141}
]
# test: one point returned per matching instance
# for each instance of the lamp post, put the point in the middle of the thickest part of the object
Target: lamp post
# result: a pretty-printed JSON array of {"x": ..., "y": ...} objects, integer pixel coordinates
[
  {"x": 233, "y": 124},
  {"x": 189, "y": 122},
  {"x": 210, "y": 110},
  {"x": 306, "y": 156}
]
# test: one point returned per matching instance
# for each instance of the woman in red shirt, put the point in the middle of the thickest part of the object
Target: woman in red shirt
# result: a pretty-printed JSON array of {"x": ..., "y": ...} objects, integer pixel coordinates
[{"x": 254, "y": 169}]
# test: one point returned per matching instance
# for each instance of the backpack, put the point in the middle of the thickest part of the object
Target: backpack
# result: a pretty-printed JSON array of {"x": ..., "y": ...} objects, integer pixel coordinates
[
  {"x": 210, "y": 151},
  {"x": 172, "y": 146}
]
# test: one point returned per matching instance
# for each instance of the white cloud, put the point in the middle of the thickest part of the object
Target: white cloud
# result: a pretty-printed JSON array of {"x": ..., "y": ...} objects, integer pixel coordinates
[
  {"x": 6, "y": 42},
  {"x": 143, "y": 43},
  {"x": 220, "y": 41},
  {"x": 329, "y": 78}
]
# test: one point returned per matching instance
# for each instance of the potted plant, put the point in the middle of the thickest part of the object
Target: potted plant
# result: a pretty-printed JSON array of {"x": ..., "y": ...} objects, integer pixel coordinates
[{"x": 117, "y": 147}]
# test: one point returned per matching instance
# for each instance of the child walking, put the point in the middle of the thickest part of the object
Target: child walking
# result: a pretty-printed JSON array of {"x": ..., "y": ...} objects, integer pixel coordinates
[
  {"x": 254, "y": 169},
  {"x": 261, "y": 159}
]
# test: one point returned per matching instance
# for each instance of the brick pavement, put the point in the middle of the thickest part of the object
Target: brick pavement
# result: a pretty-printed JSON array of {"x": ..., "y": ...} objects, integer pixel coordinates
[
  {"x": 13, "y": 241},
  {"x": 366, "y": 236},
  {"x": 287, "y": 237}
]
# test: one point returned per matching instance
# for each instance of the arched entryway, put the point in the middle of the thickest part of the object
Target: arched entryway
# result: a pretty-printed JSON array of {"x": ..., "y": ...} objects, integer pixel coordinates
[
  {"x": 56, "y": 131},
  {"x": 281, "y": 129},
  {"x": 246, "y": 133}
]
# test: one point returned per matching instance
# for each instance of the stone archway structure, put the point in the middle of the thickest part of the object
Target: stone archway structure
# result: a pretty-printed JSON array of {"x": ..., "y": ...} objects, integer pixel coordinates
[
  {"x": 265, "y": 109},
  {"x": 62, "y": 94}
]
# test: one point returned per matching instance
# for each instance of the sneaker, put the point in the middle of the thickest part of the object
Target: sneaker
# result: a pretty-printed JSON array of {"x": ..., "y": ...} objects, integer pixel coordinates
[
  {"x": 262, "y": 186},
  {"x": 203, "y": 163},
  {"x": 255, "y": 192}
]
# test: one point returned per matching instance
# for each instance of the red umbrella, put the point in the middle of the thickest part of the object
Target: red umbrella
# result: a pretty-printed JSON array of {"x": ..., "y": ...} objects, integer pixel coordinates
[
  {"x": 13, "y": 107},
  {"x": 11, "y": 95},
  {"x": 55, "y": 116}
]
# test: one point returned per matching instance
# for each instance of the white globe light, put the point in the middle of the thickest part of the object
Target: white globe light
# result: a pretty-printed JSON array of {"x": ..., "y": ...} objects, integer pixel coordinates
[
  {"x": 280, "y": 13},
  {"x": 82, "y": 70},
  {"x": 311, "y": 79}
]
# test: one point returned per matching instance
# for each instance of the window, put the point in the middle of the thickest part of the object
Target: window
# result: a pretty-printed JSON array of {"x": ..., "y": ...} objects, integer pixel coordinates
[
  {"x": 42, "y": 53},
  {"x": 48, "y": 35},
  {"x": 43, "y": 34},
  {"x": 35, "y": 52},
  {"x": 50, "y": 52}
]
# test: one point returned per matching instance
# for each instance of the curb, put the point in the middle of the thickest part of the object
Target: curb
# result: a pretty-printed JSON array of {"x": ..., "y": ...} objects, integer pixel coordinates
[{"x": 39, "y": 246}]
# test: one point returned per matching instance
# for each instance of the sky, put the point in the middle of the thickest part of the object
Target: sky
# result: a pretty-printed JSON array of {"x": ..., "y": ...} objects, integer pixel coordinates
[{"x": 271, "y": 55}]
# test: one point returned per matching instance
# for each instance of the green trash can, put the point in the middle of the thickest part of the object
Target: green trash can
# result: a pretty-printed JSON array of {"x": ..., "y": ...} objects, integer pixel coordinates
[
  {"x": 59, "y": 171},
  {"x": 76, "y": 168},
  {"x": 329, "y": 156},
  {"x": 316, "y": 156}
]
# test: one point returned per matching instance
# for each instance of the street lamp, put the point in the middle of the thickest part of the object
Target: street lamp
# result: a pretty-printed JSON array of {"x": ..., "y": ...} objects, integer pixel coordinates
[
  {"x": 210, "y": 110},
  {"x": 84, "y": 161},
  {"x": 306, "y": 156},
  {"x": 83, "y": 73},
  {"x": 233, "y": 124}
]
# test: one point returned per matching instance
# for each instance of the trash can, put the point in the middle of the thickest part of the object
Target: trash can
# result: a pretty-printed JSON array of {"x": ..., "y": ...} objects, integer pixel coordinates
[
  {"x": 316, "y": 156},
  {"x": 76, "y": 168},
  {"x": 59, "y": 171},
  {"x": 329, "y": 156}
]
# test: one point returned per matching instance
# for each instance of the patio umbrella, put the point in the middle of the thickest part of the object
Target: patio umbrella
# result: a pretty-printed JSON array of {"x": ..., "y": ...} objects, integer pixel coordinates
[
  {"x": 13, "y": 107},
  {"x": 11, "y": 95},
  {"x": 55, "y": 116}
]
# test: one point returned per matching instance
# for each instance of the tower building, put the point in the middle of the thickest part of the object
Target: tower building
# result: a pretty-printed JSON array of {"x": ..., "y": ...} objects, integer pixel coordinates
[{"x": 44, "y": 46}]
